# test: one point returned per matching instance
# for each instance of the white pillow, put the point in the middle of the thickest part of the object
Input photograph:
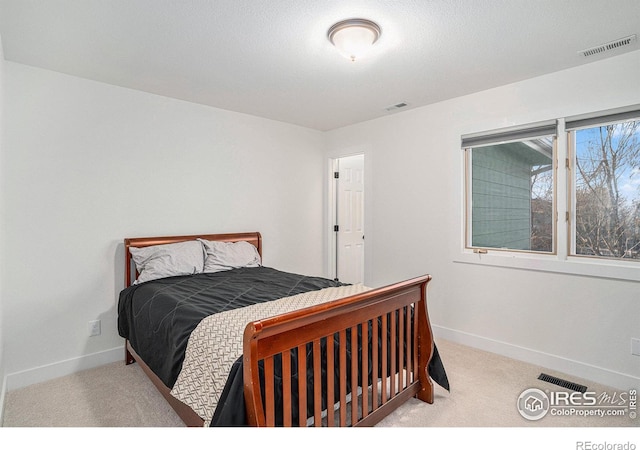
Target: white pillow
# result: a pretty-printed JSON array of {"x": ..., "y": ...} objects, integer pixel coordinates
[
  {"x": 229, "y": 255},
  {"x": 168, "y": 260}
]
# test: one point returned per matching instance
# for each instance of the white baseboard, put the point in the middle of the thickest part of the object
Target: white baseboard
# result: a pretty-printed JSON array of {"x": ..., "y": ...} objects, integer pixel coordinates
[
  {"x": 50, "y": 371},
  {"x": 564, "y": 365}
]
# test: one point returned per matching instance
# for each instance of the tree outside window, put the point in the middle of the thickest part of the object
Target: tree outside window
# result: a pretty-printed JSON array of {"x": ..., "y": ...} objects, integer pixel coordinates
[{"x": 607, "y": 190}]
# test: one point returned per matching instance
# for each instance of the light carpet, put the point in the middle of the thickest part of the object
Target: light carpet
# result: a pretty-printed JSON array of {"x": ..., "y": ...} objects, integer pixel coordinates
[{"x": 484, "y": 393}]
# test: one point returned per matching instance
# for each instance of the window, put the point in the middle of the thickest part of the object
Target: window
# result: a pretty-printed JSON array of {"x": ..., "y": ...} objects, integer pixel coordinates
[
  {"x": 510, "y": 190},
  {"x": 605, "y": 187},
  {"x": 579, "y": 216}
]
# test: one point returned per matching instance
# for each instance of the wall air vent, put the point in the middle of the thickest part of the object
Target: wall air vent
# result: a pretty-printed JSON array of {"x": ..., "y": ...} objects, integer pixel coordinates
[
  {"x": 396, "y": 106},
  {"x": 623, "y": 42}
]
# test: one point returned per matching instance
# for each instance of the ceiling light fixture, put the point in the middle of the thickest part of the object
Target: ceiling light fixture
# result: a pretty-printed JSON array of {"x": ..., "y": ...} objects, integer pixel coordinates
[{"x": 354, "y": 37}]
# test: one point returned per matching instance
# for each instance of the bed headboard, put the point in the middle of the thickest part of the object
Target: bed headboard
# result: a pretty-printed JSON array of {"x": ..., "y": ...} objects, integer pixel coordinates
[{"x": 130, "y": 271}]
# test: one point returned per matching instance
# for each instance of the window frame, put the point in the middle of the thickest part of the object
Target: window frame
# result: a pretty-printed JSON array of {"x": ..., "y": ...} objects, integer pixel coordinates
[
  {"x": 571, "y": 127},
  {"x": 499, "y": 137},
  {"x": 562, "y": 260}
]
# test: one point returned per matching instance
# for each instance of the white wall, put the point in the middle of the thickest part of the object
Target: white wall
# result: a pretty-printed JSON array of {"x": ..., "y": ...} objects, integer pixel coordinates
[
  {"x": 2, "y": 328},
  {"x": 576, "y": 324},
  {"x": 87, "y": 164}
]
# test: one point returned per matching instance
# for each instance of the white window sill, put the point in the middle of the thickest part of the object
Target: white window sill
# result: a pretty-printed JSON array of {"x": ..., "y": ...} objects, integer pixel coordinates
[{"x": 617, "y": 270}]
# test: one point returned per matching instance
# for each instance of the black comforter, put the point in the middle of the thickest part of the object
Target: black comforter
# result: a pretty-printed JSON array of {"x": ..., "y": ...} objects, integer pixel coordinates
[{"x": 157, "y": 317}]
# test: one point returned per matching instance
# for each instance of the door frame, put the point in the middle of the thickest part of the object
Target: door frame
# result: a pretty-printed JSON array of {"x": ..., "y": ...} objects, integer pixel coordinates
[{"x": 331, "y": 212}]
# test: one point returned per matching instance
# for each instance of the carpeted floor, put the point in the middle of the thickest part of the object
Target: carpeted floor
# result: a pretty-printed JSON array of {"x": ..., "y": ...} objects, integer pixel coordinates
[{"x": 484, "y": 393}]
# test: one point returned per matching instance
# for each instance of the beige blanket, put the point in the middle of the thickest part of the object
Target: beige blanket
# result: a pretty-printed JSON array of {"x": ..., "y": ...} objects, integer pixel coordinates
[{"x": 216, "y": 344}]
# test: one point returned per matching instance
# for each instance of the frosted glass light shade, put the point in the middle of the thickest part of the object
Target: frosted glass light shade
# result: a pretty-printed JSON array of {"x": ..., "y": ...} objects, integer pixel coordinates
[{"x": 353, "y": 38}]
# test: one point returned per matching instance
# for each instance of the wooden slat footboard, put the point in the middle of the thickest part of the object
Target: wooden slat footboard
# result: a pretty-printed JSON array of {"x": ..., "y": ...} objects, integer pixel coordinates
[{"x": 363, "y": 356}]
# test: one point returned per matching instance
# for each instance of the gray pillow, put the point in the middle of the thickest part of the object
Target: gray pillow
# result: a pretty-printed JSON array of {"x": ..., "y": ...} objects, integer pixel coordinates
[
  {"x": 229, "y": 255},
  {"x": 168, "y": 260}
]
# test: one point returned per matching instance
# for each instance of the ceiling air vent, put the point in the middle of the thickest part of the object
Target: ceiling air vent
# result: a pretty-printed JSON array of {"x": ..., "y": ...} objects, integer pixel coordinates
[
  {"x": 396, "y": 106},
  {"x": 609, "y": 46}
]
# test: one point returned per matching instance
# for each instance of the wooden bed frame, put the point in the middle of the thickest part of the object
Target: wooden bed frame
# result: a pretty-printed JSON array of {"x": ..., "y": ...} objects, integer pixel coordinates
[{"x": 409, "y": 340}]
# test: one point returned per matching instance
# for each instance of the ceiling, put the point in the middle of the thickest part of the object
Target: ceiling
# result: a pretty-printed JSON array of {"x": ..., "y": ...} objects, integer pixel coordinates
[{"x": 271, "y": 58}]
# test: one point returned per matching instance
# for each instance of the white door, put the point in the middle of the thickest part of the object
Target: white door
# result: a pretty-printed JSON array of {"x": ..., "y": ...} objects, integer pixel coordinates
[{"x": 350, "y": 219}]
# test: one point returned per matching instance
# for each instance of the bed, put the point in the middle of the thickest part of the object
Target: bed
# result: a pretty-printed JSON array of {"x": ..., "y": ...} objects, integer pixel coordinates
[{"x": 230, "y": 342}]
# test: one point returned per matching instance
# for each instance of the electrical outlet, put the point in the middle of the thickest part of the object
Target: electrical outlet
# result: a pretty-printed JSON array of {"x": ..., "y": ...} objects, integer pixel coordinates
[
  {"x": 94, "y": 328},
  {"x": 635, "y": 346}
]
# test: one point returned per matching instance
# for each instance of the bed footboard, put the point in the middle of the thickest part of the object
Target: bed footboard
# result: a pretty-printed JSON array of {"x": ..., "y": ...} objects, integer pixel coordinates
[{"x": 363, "y": 356}]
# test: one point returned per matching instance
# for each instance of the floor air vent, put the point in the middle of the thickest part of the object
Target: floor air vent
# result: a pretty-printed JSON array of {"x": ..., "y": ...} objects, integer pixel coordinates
[
  {"x": 609, "y": 46},
  {"x": 563, "y": 383}
]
